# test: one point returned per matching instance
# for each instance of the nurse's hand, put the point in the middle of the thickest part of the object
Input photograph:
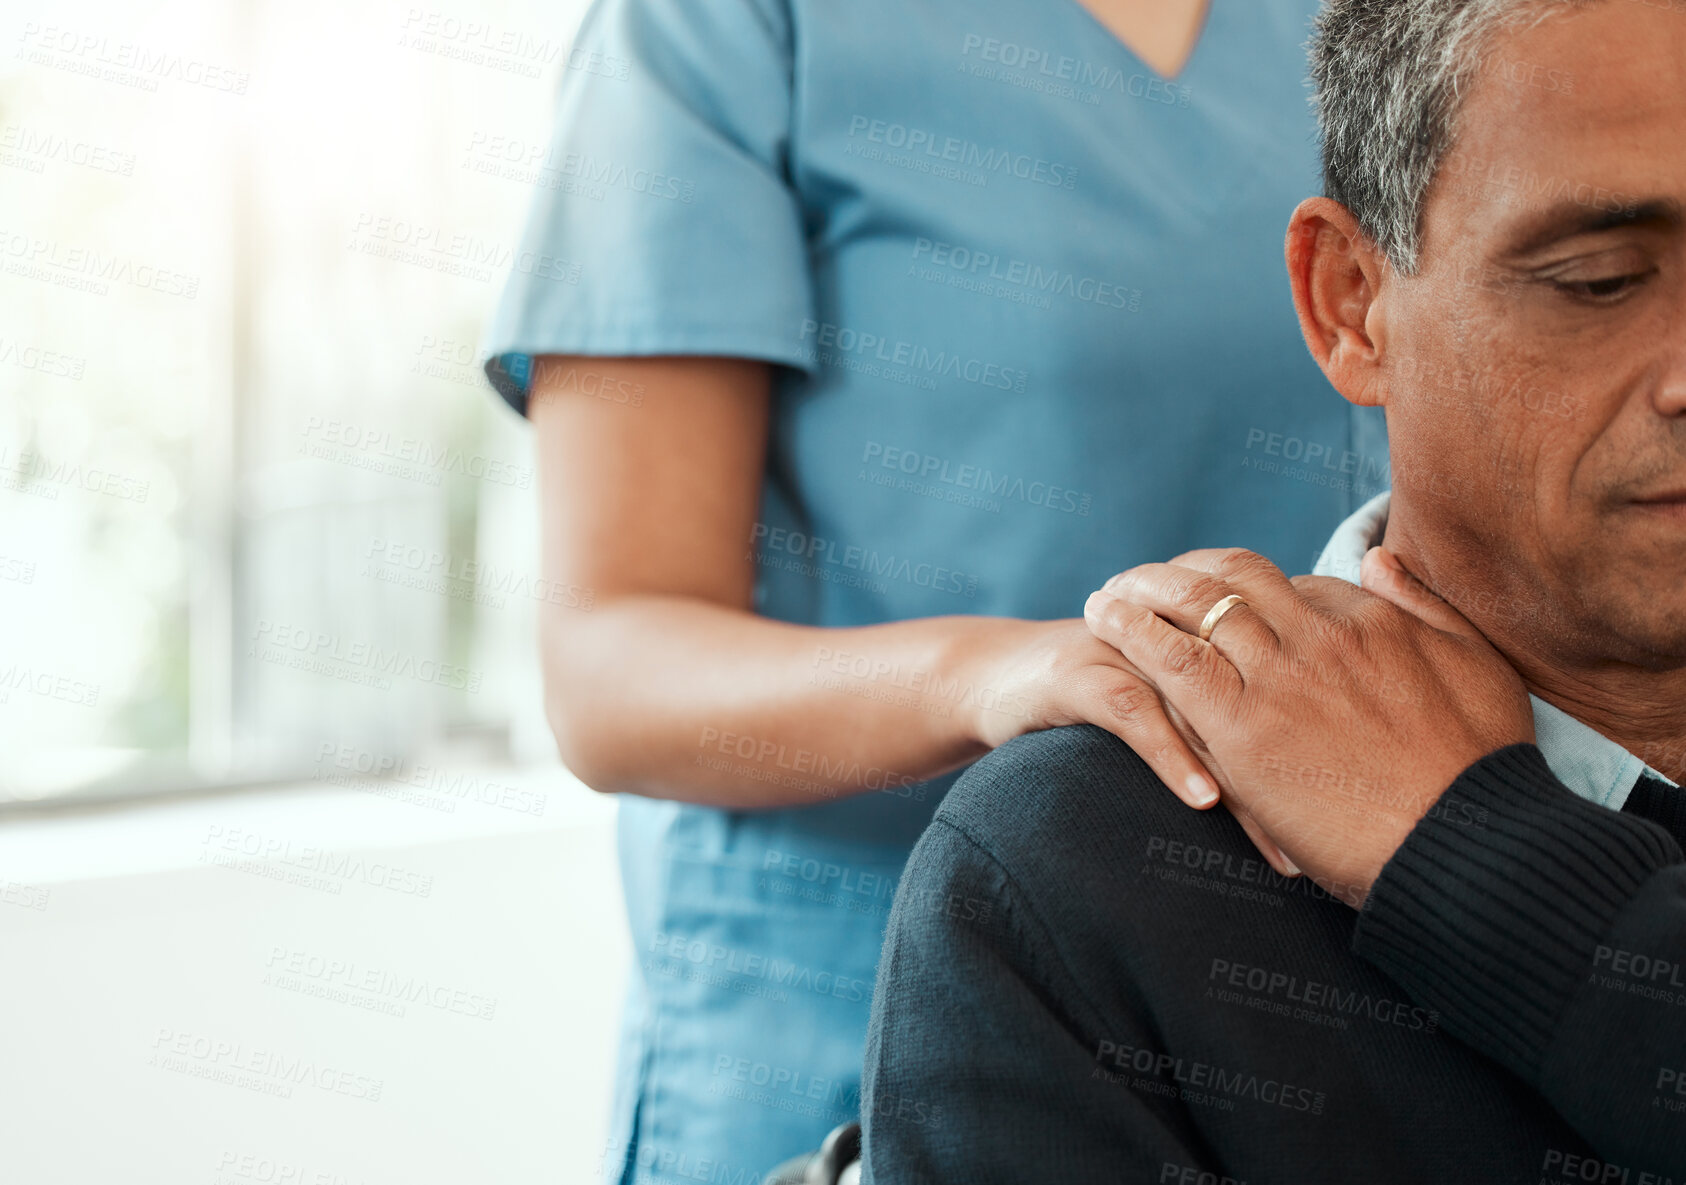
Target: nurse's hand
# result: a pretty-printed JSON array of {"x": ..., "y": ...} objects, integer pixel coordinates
[
  {"x": 1336, "y": 717},
  {"x": 1048, "y": 674}
]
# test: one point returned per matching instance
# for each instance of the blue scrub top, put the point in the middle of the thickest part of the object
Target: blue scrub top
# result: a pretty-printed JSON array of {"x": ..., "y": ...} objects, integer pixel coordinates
[{"x": 1034, "y": 327}]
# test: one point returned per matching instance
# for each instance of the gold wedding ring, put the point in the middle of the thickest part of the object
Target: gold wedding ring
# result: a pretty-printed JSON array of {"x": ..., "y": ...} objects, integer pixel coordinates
[{"x": 1215, "y": 615}]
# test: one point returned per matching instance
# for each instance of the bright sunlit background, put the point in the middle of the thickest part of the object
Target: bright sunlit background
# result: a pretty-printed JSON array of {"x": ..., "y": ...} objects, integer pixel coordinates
[
  {"x": 264, "y": 528},
  {"x": 247, "y": 249}
]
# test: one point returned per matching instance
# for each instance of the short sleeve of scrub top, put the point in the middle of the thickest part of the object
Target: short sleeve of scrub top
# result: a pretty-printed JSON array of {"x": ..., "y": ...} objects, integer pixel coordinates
[
  {"x": 662, "y": 221},
  {"x": 1030, "y": 324}
]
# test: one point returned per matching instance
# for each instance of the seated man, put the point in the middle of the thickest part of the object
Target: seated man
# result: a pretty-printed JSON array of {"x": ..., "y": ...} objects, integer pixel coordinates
[{"x": 1083, "y": 980}]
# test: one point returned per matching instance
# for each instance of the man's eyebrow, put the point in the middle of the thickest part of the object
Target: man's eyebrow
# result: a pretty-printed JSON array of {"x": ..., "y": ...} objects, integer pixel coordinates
[{"x": 1569, "y": 218}]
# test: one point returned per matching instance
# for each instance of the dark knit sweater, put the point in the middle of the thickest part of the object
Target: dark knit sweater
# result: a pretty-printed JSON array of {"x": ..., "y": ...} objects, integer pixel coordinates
[{"x": 1084, "y": 980}]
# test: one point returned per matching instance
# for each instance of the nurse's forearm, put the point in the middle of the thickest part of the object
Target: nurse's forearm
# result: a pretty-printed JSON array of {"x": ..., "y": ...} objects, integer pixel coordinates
[
  {"x": 672, "y": 686},
  {"x": 673, "y": 697}
]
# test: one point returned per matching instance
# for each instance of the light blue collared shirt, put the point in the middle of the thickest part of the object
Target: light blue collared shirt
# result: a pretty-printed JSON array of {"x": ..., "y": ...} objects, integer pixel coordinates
[{"x": 1584, "y": 759}]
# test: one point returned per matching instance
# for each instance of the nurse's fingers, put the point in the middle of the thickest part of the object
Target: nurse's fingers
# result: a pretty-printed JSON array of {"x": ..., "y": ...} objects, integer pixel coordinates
[
  {"x": 1129, "y": 708},
  {"x": 1191, "y": 674},
  {"x": 1274, "y": 855},
  {"x": 1184, "y": 596}
]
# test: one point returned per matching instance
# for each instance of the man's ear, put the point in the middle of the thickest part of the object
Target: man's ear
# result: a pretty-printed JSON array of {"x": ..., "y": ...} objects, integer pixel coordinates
[{"x": 1336, "y": 274}]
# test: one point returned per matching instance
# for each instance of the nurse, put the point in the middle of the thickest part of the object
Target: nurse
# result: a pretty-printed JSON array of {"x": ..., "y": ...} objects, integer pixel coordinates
[{"x": 861, "y": 342}]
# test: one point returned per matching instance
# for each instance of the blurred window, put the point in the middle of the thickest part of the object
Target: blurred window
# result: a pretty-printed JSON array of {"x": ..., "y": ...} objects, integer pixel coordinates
[{"x": 260, "y": 516}]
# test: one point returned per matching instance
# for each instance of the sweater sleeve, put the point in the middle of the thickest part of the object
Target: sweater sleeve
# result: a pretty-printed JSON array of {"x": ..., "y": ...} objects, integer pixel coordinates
[
  {"x": 983, "y": 1062},
  {"x": 1545, "y": 929}
]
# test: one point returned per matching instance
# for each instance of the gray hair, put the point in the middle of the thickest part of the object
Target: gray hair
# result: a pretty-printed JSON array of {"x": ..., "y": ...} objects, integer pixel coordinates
[{"x": 1390, "y": 77}]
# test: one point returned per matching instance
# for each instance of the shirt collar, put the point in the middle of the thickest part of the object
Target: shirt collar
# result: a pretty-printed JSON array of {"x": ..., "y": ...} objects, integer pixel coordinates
[{"x": 1584, "y": 759}]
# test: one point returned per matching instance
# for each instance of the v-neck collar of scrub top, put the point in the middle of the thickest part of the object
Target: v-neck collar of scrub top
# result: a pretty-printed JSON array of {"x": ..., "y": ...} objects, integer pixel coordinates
[{"x": 1180, "y": 78}]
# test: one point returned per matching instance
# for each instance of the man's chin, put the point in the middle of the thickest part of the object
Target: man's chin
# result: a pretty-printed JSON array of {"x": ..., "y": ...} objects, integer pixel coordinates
[
  {"x": 1624, "y": 601},
  {"x": 1651, "y": 634}
]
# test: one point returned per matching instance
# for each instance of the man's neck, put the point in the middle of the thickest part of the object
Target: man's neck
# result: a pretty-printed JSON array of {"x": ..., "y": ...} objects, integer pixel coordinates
[{"x": 1643, "y": 710}]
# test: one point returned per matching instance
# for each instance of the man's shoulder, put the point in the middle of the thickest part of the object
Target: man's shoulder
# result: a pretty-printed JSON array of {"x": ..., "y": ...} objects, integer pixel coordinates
[
  {"x": 1078, "y": 795},
  {"x": 1086, "y": 866}
]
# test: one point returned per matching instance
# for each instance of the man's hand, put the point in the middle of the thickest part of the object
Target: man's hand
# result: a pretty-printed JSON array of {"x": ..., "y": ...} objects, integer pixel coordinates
[{"x": 1334, "y": 718}]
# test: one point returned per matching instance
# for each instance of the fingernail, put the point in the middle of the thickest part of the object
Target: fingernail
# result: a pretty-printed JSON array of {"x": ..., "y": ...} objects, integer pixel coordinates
[
  {"x": 1200, "y": 790},
  {"x": 1293, "y": 869}
]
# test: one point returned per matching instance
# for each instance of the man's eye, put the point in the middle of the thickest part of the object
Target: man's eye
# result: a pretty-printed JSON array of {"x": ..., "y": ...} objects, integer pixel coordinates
[{"x": 1604, "y": 290}]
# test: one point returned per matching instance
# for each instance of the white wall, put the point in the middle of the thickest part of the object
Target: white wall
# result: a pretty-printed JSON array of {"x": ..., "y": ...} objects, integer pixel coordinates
[{"x": 137, "y": 975}]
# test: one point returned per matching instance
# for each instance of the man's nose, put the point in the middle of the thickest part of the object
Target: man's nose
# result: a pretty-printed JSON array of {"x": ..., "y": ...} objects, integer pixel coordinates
[{"x": 1671, "y": 392}]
